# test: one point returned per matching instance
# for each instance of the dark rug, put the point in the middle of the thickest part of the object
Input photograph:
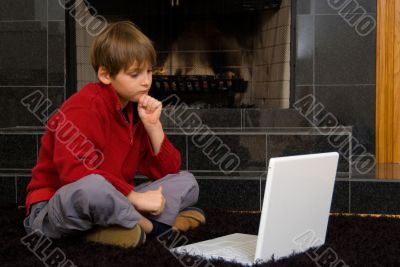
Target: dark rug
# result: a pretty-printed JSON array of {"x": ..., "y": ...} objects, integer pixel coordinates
[{"x": 351, "y": 241}]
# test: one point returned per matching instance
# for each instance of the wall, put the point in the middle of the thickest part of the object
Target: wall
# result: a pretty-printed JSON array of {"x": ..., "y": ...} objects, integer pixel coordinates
[
  {"x": 336, "y": 64},
  {"x": 32, "y": 50},
  {"x": 32, "y": 58}
]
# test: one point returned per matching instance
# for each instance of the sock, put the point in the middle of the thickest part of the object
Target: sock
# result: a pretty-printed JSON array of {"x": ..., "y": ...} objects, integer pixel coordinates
[{"x": 158, "y": 229}]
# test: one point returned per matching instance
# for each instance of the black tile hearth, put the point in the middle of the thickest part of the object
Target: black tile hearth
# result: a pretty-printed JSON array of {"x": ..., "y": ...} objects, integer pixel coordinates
[
  {"x": 303, "y": 7},
  {"x": 39, "y": 143},
  {"x": 55, "y": 10},
  {"x": 56, "y": 53},
  {"x": 179, "y": 141},
  {"x": 345, "y": 7},
  {"x": 342, "y": 56},
  {"x": 57, "y": 96},
  {"x": 13, "y": 10},
  {"x": 352, "y": 105},
  {"x": 341, "y": 197},
  {"x": 23, "y": 54},
  {"x": 227, "y": 153},
  {"x": 235, "y": 175},
  {"x": 304, "y": 74},
  {"x": 375, "y": 197},
  {"x": 167, "y": 118},
  {"x": 215, "y": 117},
  {"x": 303, "y": 92},
  {"x": 229, "y": 194},
  {"x": 273, "y": 118},
  {"x": 17, "y": 151},
  {"x": 22, "y": 183},
  {"x": 15, "y": 112},
  {"x": 289, "y": 145},
  {"x": 7, "y": 190}
]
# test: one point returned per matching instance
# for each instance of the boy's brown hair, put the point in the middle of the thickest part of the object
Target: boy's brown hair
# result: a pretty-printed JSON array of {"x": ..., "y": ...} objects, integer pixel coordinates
[{"x": 119, "y": 46}]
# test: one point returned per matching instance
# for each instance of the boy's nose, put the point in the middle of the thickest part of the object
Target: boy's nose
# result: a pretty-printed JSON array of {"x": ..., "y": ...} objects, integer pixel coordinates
[{"x": 147, "y": 79}]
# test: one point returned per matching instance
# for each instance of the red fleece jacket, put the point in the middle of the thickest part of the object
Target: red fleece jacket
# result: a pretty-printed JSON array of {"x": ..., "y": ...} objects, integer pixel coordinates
[{"x": 90, "y": 135}]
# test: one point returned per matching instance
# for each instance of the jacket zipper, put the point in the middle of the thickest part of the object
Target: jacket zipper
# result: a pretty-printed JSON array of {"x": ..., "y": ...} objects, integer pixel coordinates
[
  {"x": 129, "y": 127},
  {"x": 131, "y": 134}
]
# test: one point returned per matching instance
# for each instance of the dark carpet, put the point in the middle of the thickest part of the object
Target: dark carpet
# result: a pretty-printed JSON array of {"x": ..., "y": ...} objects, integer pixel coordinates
[{"x": 351, "y": 241}]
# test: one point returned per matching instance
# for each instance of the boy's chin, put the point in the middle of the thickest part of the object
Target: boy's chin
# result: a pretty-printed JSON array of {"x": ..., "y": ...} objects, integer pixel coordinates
[{"x": 137, "y": 97}]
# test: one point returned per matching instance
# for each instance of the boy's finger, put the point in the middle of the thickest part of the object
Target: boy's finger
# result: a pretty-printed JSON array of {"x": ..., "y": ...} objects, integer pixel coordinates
[
  {"x": 141, "y": 98},
  {"x": 146, "y": 100},
  {"x": 158, "y": 104},
  {"x": 149, "y": 105},
  {"x": 154, "y": 105}
]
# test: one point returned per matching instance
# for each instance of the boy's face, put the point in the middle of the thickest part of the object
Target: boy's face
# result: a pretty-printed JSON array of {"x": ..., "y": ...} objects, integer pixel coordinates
[{"x": 133, "y": 83}]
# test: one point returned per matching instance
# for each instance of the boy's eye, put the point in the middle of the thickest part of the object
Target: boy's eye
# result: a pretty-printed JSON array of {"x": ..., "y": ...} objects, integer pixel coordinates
[{"x": 136, "y": 74}]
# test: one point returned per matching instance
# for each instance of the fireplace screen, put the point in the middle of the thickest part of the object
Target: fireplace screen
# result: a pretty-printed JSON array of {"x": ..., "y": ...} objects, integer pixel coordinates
[{"x": 210, "y": 53}]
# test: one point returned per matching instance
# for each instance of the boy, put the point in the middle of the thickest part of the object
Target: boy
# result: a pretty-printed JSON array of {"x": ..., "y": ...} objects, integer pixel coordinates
[{"x": 95, "y": 143}]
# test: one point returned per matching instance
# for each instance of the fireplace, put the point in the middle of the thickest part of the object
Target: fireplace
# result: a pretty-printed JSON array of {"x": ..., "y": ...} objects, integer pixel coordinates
[{"x": 212, "y": 54}]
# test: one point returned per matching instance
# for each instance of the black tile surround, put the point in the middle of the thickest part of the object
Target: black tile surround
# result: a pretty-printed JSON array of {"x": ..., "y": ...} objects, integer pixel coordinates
[{"x": 240, "y": 190}]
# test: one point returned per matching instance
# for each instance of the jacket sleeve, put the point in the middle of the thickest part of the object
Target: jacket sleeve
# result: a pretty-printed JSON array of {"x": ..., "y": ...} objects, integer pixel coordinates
[
  {"x": 156, "y": 166},
  {"x": 79, "y": 137}
]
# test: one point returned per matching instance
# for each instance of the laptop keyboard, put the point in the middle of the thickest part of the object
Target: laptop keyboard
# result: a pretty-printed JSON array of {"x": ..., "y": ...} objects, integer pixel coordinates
[
  {"x": 244, "y": 250},
  {"x": 235, "y": 247}
]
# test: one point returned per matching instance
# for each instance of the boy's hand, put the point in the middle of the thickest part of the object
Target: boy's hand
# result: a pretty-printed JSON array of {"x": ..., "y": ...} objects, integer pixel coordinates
[
  {"x": 152, "y": 201},
  {"x": 149, "y": 110}
]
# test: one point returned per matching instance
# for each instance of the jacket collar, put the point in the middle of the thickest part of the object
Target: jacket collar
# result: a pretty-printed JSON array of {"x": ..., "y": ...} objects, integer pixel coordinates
[
  {"x": 112, "y": 99},
  {"x": 110, "y": 96}
]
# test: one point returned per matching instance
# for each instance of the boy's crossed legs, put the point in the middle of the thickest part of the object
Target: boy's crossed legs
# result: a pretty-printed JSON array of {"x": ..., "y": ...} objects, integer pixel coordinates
[{"x": 92, "y": 201}]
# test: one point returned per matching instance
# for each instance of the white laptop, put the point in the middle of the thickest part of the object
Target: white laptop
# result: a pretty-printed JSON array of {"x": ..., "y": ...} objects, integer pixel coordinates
[{"x": 294, "y": 215}]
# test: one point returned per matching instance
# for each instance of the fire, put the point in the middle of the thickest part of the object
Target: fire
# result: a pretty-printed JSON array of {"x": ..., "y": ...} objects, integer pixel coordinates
[{"x": 186, "y": 63}]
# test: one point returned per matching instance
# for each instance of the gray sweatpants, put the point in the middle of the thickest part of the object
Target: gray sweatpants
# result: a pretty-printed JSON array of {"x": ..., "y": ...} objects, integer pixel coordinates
[{"x": 92, "y": 200}]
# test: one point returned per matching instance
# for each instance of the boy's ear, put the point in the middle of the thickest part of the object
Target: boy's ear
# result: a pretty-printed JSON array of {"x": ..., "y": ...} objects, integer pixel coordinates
[{"x": 104, "y": 75}]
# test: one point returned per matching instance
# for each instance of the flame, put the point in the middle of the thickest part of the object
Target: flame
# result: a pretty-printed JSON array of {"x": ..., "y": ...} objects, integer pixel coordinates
[{"x": 187, "y": 63}]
